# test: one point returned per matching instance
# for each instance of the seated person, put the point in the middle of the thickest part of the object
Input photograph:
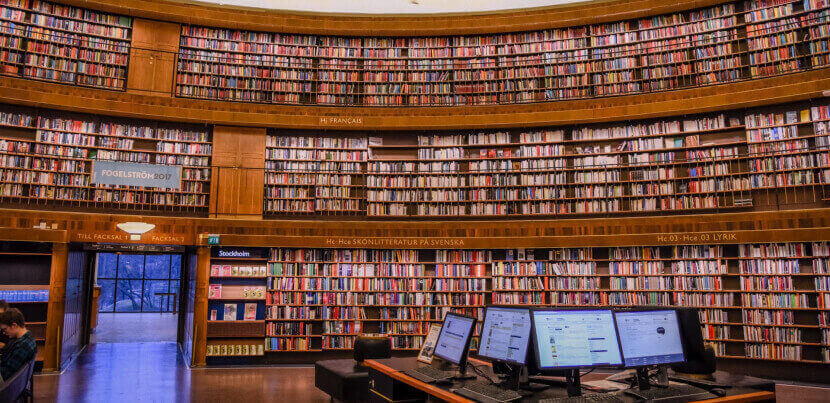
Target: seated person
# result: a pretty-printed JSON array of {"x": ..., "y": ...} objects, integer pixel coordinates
[
  {"x": 3, "y": 338},
  {"x": 21, "y": 348}
]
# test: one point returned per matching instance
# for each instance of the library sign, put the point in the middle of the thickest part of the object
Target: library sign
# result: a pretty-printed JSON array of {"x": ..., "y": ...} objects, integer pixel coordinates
[
  {"x": 394, "y": 242},
  {"x": 341, "y": 121},
  {"x": 136, "y": 174}
]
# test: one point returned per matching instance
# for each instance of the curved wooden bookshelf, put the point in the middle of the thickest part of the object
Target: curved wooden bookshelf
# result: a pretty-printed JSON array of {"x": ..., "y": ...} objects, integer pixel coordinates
[{"x": 587, "y": 12}]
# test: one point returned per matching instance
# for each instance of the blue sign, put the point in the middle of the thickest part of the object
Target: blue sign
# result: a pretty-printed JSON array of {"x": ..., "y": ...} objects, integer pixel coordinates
[{"x": 136, "y": 174}]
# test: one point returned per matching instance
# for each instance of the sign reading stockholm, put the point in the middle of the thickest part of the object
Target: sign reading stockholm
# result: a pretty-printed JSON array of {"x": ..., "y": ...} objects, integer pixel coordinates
[{"x": 136, "y": 174}]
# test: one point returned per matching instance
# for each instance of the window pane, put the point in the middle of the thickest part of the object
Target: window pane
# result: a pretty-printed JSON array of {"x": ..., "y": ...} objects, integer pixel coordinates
[
  {"x": 174, "y": 287},
  {"x": 152, "y": 301},
  {"x": 157, "y": 266},
  {"x": 131, "y": 266},
  {"x": 106, "y": 265},
  {"x": 176, "y": 265},
  {"x": 107, "y": 299},
  {"x": 128, "y": 296}
]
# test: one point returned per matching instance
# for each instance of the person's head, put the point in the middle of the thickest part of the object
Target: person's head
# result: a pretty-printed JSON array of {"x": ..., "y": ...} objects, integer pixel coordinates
[
  {"x": 4, "y": 306},
  {"x": 12, "y": 323}
]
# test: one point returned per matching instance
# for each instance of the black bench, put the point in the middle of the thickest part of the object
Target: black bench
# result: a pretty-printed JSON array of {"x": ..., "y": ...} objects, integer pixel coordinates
[
  {"x": 347, "y": 380},
  {"x": 18, "y": 388},
  {"x": 342, "y": 380}
]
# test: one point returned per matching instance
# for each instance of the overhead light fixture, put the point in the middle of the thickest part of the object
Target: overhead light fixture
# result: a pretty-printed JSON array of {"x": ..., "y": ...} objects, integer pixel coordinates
[{"x": 135, "y": 229}]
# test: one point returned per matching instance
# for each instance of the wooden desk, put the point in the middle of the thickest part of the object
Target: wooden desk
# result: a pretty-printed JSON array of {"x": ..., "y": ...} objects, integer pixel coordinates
[{"x": 394, "y": 368}]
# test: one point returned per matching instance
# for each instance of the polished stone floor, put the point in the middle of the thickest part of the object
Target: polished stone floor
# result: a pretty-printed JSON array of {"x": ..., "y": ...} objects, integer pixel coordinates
[
  {"x": 135, "y": 327},
  {"x": 154, "y": 372},
  {"x": 150, "y": 369}
]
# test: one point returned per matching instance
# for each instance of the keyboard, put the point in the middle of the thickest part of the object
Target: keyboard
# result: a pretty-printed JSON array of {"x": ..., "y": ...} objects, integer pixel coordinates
[
  {"x": 430, "y": 374},
  {"x": 593, "y": 397},
  {"x": 487, "y": 393},
  {"x": 700, "y": 383},
  {"x": 674, "y": 393}
]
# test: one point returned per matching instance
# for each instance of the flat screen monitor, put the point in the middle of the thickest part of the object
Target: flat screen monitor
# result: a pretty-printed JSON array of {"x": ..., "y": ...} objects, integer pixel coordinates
[
  {"x": 454, "y": 340},
  {"x": 650, "y": 337},
  {"x": 505, "y": 334},
  {"x": 580, "y": 338}
]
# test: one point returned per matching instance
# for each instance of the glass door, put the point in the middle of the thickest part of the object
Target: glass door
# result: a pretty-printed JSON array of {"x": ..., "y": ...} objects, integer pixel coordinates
[{"x": 138, "y": 282}]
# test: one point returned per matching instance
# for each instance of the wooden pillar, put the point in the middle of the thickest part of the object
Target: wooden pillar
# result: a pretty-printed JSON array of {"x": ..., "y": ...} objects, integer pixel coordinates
[
  {"x": 239, "y": 172},
  {"x": 57, "y": 306},
  {"x": 200, "y": 307},
  {"x": 152, "y": 67}
]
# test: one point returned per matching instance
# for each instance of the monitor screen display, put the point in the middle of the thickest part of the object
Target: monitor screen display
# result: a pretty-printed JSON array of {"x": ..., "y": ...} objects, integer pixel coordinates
[
  {"x": 575, "y": 338},
  {"x": 505, "y": 334},
  {"x": 454, "y": 338},
  {"x": 650, "y": 337}
]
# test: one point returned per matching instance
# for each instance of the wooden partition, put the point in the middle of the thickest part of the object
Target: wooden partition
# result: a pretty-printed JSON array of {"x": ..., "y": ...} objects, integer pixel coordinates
[
  {"x": 239, "y": 160},
  {"x": 153, "y": 57}
]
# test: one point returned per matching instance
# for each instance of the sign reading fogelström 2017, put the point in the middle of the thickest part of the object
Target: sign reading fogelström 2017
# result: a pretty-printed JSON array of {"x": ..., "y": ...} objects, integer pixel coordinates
[{"x": 136, "y": 174}]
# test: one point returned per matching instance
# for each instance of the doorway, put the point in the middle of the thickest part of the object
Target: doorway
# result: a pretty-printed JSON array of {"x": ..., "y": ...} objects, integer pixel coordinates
[{"x": 139, "y": 297}]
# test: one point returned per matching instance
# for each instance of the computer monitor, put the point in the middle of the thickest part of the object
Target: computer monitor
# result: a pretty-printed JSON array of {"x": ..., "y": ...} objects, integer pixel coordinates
[
  {"x": 575, "y": 338},
  {"x": 454, "y": 340},
  {"x": 505, "y": 334},
  {"x": 649, "y": 337}
]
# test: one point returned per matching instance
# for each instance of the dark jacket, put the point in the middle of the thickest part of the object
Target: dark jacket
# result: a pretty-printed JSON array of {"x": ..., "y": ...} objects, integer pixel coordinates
[{"x": 17, "y": 353}]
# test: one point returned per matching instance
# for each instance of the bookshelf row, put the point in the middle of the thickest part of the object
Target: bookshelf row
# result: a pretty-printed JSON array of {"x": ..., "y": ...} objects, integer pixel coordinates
[
  {"x": 715, "y": 162},
  {"x": 46, "y": 158},
  {"x": 756, "y": 301},
  {"x": 692, "y": 163},
  {"x": 54, "y": 42},
  {"x": 707, "y": 46}
]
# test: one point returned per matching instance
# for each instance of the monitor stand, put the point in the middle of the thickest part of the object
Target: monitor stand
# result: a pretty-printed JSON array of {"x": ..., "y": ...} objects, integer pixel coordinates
[
  {"x": 462, "y": 369},
  {"x": 574, "y": 383},
  {"x": 516, "y": 378},
  {"x": 643, "y": 382}
]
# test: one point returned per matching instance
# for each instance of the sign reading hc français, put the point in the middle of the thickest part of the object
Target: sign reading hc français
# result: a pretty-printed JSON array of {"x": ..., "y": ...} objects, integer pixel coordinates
[{"x": 136, "y": 174}]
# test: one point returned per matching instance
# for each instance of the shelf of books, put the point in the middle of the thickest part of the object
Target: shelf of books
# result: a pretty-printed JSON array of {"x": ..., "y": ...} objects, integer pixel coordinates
[
  {"x": 660, "y": 165},
  {"x": 53, "y": 42},
  {"x": 715, "y": 162},
  {"x": 24, "y": 284},
  {"x": 755, "y": 301},
  {"x": 779, "y": 302},
  {"x": 246, "y": 66},
  {"x": 772, "y": 31},
  {"x": 816, "y": 21},
  {"x": 320, "y": 299},
  {"x": 567, "y": 278},
  {"x": 385, "y": 78},
  {"x": 821, "y": 129},
  {"x": 307, "y": 174},
  {"x": 821, "y": 270},
  {"x": 756, "y": 304},
  {"x": 338, "y": 61},
  {"x": 46, "y": 159},
  {"x": 236, "y": 304},
  {"x": 782, "y": 146},
  {"x": 706, "y": 46}
]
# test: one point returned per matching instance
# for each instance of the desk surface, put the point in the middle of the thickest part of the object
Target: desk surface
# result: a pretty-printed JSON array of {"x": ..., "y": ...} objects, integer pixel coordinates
[{"x": 394, "y": 367}]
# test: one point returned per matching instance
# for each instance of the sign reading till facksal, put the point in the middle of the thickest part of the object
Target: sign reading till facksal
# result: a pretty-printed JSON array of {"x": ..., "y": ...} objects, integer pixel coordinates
[{"x": 136, "y": 174}]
